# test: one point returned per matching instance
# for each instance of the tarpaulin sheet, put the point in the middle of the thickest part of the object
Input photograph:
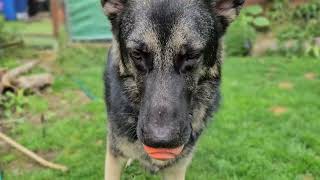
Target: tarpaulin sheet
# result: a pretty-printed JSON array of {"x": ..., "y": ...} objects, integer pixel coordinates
[{"x": 86, "y": 20}]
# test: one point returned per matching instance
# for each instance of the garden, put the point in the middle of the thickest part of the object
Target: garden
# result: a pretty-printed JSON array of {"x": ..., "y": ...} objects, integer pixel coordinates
[{"x": 268, "y": 126}]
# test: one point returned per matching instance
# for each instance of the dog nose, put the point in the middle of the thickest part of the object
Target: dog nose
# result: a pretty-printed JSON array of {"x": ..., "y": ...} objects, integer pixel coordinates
[
  {"x": 162, "y": 134},
  {"x": 161, "y": 137},
  {"x": 161, "y": 128}
]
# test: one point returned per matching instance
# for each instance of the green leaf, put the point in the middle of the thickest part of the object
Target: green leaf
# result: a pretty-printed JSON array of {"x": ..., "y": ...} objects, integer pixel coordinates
[
  {"x": 249, "y": 19},
  {"x": 261, "y": 22},
  {"x": 254, "y": 10},
  {"x": 316, "y": 52}
]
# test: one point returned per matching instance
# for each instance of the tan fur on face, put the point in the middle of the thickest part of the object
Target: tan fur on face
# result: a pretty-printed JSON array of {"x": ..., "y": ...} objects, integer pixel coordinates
[
  {"x": 143, "y": 29},
  {"x": 199, "y": 114},
  {"x": 132, "y": 150},
  {"x": 181, "y": 34},
  {"x": 115, "y": 52}
]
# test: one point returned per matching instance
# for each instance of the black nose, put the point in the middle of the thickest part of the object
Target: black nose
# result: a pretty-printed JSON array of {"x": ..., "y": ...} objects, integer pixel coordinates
[
  {"x": 161, "y": 137},
  {"x": 162, "y": 128}
]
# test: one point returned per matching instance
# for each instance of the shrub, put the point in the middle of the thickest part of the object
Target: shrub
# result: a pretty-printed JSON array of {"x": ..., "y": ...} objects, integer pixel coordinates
[
  {"x": 297, "y": 27},
  {"x": 307, "y": 11},
  {"x": 242, "y": 33},
  {"x": 4, "y": 35},
  {"x": 12, "y": 103},
  {"x": 240, "y": 37},
  {"x": 255, "y": 17}
]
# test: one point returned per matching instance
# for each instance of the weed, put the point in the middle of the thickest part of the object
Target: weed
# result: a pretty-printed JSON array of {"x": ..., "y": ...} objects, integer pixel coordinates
[{"x": 13, "y": 103}]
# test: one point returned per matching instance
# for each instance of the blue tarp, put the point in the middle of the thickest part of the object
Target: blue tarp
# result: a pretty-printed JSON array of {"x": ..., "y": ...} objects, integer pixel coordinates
[
  {"x": 1, "y": 6},
  {"x": 86, "y": 20},
  {"x": 9, "y": 10}
]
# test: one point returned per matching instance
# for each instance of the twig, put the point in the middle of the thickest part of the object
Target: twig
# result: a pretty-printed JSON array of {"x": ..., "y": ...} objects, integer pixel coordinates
[
  {"x": 31, "y": 154},
  {"x": 33, "y": 82},
  {"x": 13, "y": 73},
  {"x": 43, "y": 123},
  {"x": 17, "y": 43},
  {"x": 10, "y": 122},
  {"x": 9, "y": 75}
]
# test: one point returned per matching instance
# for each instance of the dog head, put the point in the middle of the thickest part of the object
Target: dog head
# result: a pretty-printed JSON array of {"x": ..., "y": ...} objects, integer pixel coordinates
[{"x": 167, "y": 50}]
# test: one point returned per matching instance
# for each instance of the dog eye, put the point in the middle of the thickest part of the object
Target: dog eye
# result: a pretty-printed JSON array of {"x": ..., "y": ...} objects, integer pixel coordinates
[
  {"x": 136, "y": 55},
  {"x": 141, "y": 60},
  {"x": 193, "y": 55},
  {"x": 187, "y": 62}
]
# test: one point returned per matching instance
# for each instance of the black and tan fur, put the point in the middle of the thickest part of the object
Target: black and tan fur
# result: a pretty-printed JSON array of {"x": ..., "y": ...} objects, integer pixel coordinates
[{"x": 162, "y": 78}]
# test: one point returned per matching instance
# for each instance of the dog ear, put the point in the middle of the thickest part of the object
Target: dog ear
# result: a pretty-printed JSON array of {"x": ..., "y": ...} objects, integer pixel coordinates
[
  {"x": 227, "y": 9},
  {"x": 112, "y": 8}
]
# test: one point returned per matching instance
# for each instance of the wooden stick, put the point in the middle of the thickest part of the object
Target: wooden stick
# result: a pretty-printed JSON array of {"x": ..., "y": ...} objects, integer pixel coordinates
[
  {"x": 9, "y": 75},
  {"x": 11, "y": 44},
  {"x": 2, "y": 73},
  {"x": 31, "y": 154},
  {"x": 13, "y": 73},
  {"x": 34, "y": 82},
  {"x": 9, "y": 122}
]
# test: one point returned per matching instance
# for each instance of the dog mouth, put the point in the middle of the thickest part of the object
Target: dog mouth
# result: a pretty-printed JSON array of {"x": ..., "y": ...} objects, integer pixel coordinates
[{"x": 163, "y": 154}]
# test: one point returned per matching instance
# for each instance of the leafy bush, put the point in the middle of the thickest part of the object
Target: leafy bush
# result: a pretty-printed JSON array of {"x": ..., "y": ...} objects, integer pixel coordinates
[
  {"x": 261, "y": 22},
  {"x": 255, "y": 17},
  {"x": 279, "y": 11},
  {"x": 242, "y": 33},
  {"x": 295, "y": 40},
  {"x": 240, "y": 37},
  {"x": 307, "y": 11},
  {"x": 297, "y": 27},
  {"x": 254, "y": 10},
  {"x": 12, "y": 103}
]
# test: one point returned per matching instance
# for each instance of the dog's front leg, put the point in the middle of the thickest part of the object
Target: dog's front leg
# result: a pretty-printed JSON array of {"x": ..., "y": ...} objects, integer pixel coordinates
[
  {"x": 113, "y": 165},
  {"x": 177, "y": 171}
]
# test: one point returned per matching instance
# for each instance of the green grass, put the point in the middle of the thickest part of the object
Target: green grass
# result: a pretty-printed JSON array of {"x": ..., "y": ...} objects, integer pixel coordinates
[
  {"x": 35, "y": 27},
  {"x": 245, "y": 141},
  {"x": 36, "y": 33}
]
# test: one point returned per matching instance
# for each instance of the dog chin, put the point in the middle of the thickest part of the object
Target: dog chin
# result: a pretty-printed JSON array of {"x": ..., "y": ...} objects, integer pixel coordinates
[{"x": 161, "y": 163}]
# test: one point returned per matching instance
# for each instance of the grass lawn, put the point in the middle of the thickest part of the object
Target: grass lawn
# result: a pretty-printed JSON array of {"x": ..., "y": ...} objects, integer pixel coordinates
[
  {"x": 37, "y": 33},
  {"x": 267, "y": 128},
  {"x": 42, "y": 26}
]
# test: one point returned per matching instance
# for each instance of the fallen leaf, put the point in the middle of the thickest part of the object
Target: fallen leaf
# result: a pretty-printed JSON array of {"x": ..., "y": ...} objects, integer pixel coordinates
[
  {"x": 285, "y": 85},
  {"x": 48, "y": 55},
  {"x": 308, "y": 177},
  {"x": 278, "y": 110},
  {"x": 99, "y": 142},
  {"x": 273, "y": 69},
  {"x": 310, "y": 76}
]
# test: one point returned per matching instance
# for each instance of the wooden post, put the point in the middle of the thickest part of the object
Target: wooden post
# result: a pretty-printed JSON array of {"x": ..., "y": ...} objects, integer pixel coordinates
[{"x": 54, "y": 8}]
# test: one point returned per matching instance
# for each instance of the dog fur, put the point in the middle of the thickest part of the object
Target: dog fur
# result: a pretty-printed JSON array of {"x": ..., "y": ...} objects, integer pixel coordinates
[{"x": 163, "y": 76}]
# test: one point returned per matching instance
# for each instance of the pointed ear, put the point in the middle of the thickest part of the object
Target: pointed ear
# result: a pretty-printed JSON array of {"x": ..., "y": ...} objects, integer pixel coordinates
[
  {"x": 227, "y": 9},
  {"x": 112, "y": 8}
]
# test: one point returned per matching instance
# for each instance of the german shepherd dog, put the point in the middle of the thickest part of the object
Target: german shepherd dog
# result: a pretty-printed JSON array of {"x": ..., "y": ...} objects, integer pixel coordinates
[{"x": 162, "y": 80}]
